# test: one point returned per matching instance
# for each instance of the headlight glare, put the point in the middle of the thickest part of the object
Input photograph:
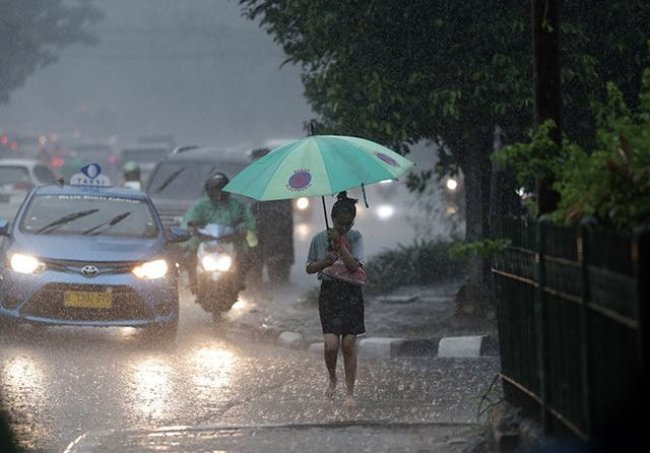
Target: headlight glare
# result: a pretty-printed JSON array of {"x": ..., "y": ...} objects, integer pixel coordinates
[
  {"x": 219, "y": 263},
  {"x": 25, "y": 264},
  {"x": 151, "y": 270},
  {"x": 302, "y": 203}
]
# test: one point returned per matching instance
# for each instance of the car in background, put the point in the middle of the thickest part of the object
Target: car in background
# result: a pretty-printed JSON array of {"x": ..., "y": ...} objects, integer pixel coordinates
[
  {"x": 17, "y": 178},
  {"x": 178, "y": 181},
  {"x": 89, "y": 254},
  {"x": 145, "y": 155}
]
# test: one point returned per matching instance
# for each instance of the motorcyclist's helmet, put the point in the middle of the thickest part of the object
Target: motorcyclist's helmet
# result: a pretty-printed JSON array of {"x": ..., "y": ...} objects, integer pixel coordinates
[
  {"x": 131, "y": 171},
  {"x": 214, "y": 185}
]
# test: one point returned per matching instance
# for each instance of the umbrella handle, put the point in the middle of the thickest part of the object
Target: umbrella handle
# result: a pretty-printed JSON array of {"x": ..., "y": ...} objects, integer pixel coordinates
[{"x": 327, "y": 225}]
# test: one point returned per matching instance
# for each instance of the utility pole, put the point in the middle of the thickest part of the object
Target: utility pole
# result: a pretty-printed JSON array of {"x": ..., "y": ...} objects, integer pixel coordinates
[{"x": 546, "y": 81}]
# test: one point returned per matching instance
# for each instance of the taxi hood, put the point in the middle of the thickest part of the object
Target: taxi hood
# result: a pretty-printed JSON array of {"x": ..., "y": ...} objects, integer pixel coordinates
[{"x": 89, "y": 248}]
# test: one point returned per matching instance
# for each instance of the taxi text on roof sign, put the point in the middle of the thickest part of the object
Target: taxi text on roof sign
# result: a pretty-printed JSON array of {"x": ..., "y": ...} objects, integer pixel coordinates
[{"x": 91, "y": 175}]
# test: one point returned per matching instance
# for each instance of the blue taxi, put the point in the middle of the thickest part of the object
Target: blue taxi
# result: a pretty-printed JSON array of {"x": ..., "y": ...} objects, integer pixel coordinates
[{"x": 89, "y": 254}]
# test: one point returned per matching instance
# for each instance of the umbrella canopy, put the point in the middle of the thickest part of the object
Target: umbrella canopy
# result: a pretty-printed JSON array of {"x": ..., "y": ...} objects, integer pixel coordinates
[{"x": 318, "y": 165}]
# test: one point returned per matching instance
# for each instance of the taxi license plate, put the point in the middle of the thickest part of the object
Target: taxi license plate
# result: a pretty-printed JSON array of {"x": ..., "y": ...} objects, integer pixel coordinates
[{"x": 87, "y": 299}]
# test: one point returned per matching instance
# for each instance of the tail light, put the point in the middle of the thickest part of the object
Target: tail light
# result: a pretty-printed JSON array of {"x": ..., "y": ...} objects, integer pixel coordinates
[
  {"x": 112, "y": 159},
  {"x": 57, "y": 162}
]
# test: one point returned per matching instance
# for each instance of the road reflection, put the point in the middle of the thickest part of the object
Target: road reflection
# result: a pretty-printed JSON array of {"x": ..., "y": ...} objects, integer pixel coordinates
[
  {"x": 211, "y": 369},
  {"x": 24, "y": 375},
  {"x": 151, "y": 388}
]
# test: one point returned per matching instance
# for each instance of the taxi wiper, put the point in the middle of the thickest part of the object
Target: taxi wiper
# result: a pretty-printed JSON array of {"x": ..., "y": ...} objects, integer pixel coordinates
[
  {"x": 65, "y": 219},
  {"x": 114, "y": 221},
  {"x": 169, "y": 180}
]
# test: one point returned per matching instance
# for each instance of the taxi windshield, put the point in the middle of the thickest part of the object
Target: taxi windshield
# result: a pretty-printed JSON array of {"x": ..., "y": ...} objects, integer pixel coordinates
[{"x": 91, "y": 215}]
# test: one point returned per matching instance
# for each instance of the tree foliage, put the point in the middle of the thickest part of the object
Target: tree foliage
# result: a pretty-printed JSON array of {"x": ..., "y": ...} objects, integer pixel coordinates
[
  {"x": 610, "y": 183},
  {"x": 399, "y": 72},
  {"x": 33, "y": 31},
  {"x": 402, "y": 71}
]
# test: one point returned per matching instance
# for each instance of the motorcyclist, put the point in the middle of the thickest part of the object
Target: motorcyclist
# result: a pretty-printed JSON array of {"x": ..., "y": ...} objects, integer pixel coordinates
[
  {"x": 219, "y": 207},
  {"x": 131, "y": 175}
]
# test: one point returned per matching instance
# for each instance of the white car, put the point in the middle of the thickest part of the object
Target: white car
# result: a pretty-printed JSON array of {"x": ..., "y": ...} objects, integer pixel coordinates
[{"x": 17, "y": 177}]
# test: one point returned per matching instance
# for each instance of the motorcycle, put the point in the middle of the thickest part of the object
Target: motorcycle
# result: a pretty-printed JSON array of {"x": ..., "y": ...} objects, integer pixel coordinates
[{"x": 216, "y": 269}]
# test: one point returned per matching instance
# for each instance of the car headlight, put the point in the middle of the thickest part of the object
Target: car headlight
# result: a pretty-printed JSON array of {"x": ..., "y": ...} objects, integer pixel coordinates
[
  {"x": 385, "y": 211},
  {"x": 151, "y": 270},
  {"x": 219, "y": 263},
  {"x": 302, "y": 203},
  {"x": 25, "y": 264},
  {"x": 451, "y": 184}
]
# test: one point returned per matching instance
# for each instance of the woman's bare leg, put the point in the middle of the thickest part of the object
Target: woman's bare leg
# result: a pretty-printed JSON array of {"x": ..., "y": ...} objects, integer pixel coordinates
[
  {"x": 349, "y": 345},
  {"x": 331, "y": 352}
]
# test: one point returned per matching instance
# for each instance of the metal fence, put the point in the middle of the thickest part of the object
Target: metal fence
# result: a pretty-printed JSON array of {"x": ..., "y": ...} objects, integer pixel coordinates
[{"x": 571, "y": 316}]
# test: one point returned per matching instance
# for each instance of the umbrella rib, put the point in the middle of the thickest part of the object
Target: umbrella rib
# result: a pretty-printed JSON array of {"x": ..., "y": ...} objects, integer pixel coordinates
[{"x": 327, "y": 171}]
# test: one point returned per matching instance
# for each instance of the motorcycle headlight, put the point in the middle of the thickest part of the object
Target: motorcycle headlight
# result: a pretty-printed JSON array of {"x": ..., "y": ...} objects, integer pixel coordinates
[
  {"x": 218, "y": 263},
  {"x": 25, "y": 264},
  {"x": 151, "y": 270}
]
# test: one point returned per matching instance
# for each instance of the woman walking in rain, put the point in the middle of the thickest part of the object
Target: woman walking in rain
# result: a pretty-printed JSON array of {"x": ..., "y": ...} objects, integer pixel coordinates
[{"x": 340, "y": 304}]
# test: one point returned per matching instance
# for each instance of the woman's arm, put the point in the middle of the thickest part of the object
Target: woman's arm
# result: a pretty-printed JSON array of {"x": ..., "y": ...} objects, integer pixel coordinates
[{"x": 317, "y": 266}]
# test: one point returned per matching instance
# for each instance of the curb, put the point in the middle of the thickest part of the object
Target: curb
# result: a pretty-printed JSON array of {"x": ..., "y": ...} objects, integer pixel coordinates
[
  {"x": 472, "y": 346},
  {"x": 469, "y": 346}
]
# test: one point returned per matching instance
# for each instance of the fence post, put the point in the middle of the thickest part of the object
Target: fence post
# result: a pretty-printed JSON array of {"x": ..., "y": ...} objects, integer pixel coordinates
[
  {"x": 540, "y": 322},
  {"x": 643, "y": 279},
  {"x": 585, "y": 343}
]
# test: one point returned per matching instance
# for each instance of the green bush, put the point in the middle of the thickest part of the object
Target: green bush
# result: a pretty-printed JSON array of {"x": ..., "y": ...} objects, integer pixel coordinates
[
  {"x": 611, "y": 183},
  {"x": 421, "y": 263}
]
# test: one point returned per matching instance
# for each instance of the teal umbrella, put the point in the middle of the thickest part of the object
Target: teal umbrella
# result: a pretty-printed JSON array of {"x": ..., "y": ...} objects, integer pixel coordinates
[{"x": 318, "y": 165}]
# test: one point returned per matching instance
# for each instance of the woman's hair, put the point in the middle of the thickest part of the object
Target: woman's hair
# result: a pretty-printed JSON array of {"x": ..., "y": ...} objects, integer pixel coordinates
[{"x": 344, "y": 205}]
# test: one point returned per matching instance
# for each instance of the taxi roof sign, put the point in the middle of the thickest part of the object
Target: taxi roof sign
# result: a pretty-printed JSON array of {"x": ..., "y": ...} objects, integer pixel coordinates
[{"x": 91, "y": 175}]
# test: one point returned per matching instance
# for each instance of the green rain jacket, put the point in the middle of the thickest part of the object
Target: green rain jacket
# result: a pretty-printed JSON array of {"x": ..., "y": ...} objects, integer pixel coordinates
[{"x": 232, "y": 212}]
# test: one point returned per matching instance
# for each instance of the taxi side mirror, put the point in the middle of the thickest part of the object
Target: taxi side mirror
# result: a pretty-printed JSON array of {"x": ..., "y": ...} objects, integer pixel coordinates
[
  {"x": 4, "y": 227},
  {"x": 177, "y": 234}
]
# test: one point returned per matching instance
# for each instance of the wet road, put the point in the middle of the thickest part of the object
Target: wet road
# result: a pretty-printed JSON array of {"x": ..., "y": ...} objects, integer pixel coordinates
[{"x": 59, "y": 383}]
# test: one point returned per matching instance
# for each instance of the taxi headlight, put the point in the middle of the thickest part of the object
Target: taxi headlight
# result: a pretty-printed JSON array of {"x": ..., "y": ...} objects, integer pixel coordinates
[
  {"x": 25, "y": 264},
  {"x": 219, "y": 263},
  {"x": 151, "y": 270}
]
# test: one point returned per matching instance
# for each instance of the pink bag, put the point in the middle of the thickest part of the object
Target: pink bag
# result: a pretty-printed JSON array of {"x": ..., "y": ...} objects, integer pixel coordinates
[{"x": 340, "y": 272}]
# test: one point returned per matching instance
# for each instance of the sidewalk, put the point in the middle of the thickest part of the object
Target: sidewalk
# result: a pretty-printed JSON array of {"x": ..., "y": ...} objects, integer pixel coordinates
[{"x": 413, "y": 320}]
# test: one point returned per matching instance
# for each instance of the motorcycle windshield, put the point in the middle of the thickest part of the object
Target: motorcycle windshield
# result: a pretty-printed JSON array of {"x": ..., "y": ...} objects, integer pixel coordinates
[{"x": 216, "y": 230}]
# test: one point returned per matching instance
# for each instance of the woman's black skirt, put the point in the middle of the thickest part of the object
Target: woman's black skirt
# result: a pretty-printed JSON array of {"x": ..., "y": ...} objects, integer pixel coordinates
[{"x": 340, "y": 306}]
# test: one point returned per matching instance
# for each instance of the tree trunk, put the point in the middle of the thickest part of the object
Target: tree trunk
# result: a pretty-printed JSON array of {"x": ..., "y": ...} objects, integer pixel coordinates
[
  {"x": 547, "y": 86},
  {"x": 475, "y": 296}
]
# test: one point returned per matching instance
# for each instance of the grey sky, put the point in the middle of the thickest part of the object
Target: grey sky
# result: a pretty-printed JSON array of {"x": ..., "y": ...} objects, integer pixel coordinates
[{"x": 192, "y": 68}]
